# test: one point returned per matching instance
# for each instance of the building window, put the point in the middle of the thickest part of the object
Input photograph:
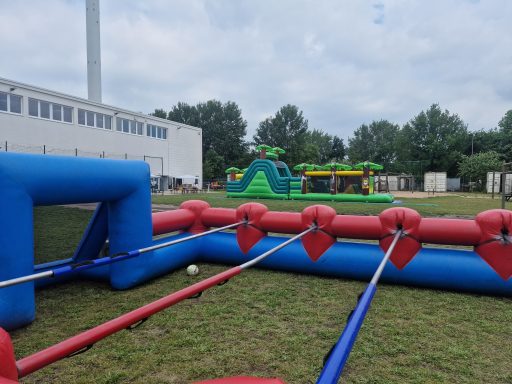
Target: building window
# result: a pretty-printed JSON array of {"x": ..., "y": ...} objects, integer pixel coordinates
[
  {"x": 129, "y": 126},
  {"x": 156, "y": 131},
  {"x": 108, "y": 121},
  {"x": 47, "y": 110},
  {"x": 68, "y": 114},
  {"x": 94, "y": 119},
  {"x": 3, "y": 102},
  {"x": 81, "y": 117},
  {"x": 57, "y": 112},
  {"x": 10, "y": 103},
  {"x": 90, "y": 118},
  {"x": 33, "y": 109},
  {"x": 44, "y": 109}
]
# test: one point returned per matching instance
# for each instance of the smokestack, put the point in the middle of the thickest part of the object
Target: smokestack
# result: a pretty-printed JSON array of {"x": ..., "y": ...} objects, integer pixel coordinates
[{"x": 93, "y": 49}]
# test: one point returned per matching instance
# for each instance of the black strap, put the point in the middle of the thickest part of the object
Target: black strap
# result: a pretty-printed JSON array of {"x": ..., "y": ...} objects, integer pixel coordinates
[
  {"x": 119, "y": 255},
  {"x": 80, "y": 351},
  {"x": 81, "y": 264},
  {"x": 196, "y": 296},
  {"x": 131, "y": 327},
  {"x": 223, "y": 282}
]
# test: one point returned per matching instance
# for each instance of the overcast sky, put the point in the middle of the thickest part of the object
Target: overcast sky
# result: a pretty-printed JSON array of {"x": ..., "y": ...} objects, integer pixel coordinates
[{"x": 343, "y": 63}]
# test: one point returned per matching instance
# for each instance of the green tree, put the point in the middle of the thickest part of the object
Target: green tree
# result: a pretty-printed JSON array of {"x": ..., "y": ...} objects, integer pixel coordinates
[
  {"x": 213, "y": 165},
  {"x": 317, "y": 147},
  {"x": 436, "y": 136},
  {"x": 287, "y": 129},
  {"x": 159, "y": 113},
  {"x": 338, "y": 150},
  {"x": 184, "y": 113},
  {"x": 376, "y": 143},
  {"x": 505, "y": 136},
  {"x": 223, "y": 127},
  {"x": 475, "y": 167},
  {"x": 483, "y": 141}
]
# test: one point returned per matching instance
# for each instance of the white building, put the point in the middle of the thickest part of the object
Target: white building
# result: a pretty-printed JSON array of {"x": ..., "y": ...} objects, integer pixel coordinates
[{"x": 38, "y": 120}]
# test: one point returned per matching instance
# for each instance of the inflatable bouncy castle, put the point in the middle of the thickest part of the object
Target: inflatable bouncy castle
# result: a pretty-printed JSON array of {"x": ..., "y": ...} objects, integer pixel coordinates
[{"x": 269, "y": 178}]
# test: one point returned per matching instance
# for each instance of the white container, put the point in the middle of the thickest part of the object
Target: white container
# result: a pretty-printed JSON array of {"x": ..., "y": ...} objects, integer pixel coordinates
[
  {"x": 497, "y": 182},
  {"x": 435, "y": 182},
  {"x": 392, "y": 182}
]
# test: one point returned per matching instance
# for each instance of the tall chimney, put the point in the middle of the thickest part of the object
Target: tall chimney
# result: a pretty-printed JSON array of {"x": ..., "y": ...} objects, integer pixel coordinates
[{"x": 93, "y": 50}]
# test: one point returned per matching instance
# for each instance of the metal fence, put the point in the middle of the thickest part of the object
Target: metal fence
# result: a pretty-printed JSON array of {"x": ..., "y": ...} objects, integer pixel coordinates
[
  {"x": 9, "y": 146},
  {"x": 155, "y": 162}
]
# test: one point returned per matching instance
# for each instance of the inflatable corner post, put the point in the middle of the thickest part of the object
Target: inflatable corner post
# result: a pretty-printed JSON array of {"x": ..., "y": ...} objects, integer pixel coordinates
[{"x": 26, "y": 181}]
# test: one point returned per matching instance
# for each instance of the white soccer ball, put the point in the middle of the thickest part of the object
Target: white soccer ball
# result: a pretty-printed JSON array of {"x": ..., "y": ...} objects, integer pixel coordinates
[{"x": 192, "y": 270}]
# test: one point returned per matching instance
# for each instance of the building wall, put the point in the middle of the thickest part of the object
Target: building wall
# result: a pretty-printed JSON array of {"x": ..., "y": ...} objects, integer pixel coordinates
[{"x": 181, "y": 150}]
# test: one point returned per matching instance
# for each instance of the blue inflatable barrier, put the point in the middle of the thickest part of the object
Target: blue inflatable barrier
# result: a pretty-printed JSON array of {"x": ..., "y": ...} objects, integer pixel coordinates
[{"x": 31, "y": 180}]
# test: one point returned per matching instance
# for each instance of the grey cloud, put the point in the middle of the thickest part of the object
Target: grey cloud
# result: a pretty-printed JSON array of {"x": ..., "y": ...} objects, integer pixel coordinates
[{"x": 343, "y": 63}]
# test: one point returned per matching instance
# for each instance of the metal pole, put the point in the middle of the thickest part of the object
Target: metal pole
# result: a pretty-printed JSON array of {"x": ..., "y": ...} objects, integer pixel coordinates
[
  {"x": 339, "y": 354},
  {"x": 108, "y": 259},
  {"x": 130, "y": 320},
  {"x": 5, "y": 145},
  {"x": 503, "y": 179},
  {"x": 256, "y": 260},
  {"x": 92, "y": 21},
  {"x": 44, "y": 149},
  {"x": 493, "y": 178}
]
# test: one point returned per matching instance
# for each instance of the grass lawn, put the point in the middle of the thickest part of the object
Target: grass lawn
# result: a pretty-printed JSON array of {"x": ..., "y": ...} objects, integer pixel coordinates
[
  {"x": 267, "y": 323},
  {"x": 432, "y": 206}
]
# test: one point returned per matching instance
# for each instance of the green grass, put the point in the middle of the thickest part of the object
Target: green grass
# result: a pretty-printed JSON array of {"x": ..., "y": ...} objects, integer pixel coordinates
[
  {"x": 57, "y": 232},
  {"x": 433, "y": 206},
  {"x": 263, "y": 323}
]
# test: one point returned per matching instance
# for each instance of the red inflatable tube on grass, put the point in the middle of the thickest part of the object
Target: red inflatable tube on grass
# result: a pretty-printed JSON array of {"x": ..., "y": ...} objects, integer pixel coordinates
[
  {"x": 490, "y": 233},
  {"x": 8, "y": 370},
  {"x": 282, "y": 222},
  {"x": 357, "y": 227},
  {"x": 449, "y": 231},
  {"x": 76, "y": 343},
  {"x": 249, "y": 234},
  {"x": 218, "y": 217},
  {"x": 197, "y": 207},
  {"x": 317, "y": 242},
  {"x": 407, "y": 220},
  {"x": 170, "y": 221},
  {"x": 495, "y": 244}
]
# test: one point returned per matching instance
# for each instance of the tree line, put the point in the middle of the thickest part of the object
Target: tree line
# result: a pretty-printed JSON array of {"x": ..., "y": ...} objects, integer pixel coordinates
[{"x": 433, "y": 140}]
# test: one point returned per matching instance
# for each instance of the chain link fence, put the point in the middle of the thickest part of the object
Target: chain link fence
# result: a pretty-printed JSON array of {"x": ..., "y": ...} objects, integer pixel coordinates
[{"x": 155, "y": 162}]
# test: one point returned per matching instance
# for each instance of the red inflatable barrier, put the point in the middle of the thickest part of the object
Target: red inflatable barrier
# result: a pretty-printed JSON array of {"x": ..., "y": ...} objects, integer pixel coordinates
[
  {"x": 495, "y": 244},
  {"x": 170, "y": 221},
  {"x": 8, "y": 370},
  {"x": 317, "y": 242},
  {"x": 248, "y": 235},
  {"x": 449, "y": 231},
  {"x": 490, "y": 233},
  {"x": 212, "y": 217},
  {"x": 400, "y": 218},
  {"x": 86, "y": 339}
]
